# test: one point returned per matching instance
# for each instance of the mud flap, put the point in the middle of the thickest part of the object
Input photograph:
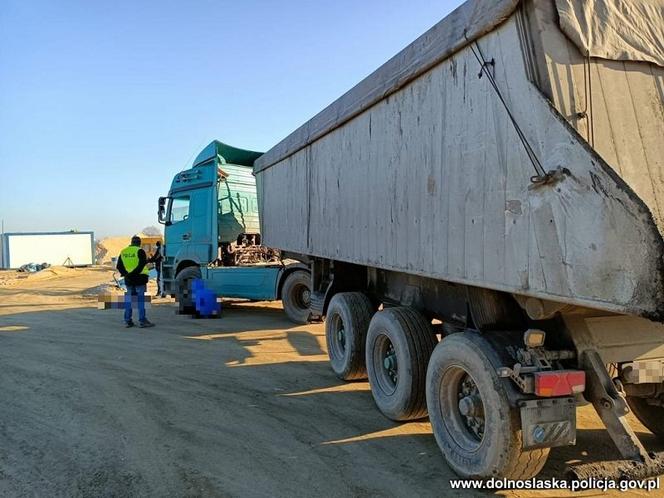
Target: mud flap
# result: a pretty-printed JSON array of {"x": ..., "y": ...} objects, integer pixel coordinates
[{"x": 546, "y": 423}]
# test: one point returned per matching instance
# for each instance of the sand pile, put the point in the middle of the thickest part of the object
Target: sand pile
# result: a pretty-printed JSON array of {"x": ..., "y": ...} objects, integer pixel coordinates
[
  {"x": 110, "y": 247},
  {"x": 52, "y": 272},
  {"x": 10, "y": 277},
  {"x": 102, "y": 289}
]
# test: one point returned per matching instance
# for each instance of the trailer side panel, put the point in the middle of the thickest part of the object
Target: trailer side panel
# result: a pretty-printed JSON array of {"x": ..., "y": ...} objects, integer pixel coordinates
[{"x": 435, "y": 180}]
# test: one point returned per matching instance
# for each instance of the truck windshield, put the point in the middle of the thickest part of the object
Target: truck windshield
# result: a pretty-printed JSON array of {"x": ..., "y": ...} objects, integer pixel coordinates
[{"x": 179, "y": 209}]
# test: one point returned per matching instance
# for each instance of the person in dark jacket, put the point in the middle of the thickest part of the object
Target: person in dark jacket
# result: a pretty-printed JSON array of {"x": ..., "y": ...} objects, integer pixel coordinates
[
  {"x": 157, "y": 258},
  {"x": 132, "y": 265}
]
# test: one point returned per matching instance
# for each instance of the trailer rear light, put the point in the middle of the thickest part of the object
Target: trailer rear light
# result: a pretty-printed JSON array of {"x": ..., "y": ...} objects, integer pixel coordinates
[{"x": 559, "y": 383}]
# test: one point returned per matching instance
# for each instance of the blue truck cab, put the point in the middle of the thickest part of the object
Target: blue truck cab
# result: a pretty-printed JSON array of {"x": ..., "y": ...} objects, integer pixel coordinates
[{"x": 212, "y": 232}]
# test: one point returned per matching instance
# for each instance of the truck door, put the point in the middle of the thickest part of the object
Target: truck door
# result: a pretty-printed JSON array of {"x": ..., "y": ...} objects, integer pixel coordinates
[
  {"x": 178, "y": 230},
  {"x": 189, "y": 234}
]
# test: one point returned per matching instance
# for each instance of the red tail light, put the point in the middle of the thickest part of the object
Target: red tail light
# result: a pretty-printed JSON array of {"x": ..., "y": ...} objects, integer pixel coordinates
[{"x": 559, "y": 383}]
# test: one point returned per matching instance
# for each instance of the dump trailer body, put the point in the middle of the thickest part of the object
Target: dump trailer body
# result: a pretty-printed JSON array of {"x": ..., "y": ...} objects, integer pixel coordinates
[
  {"x": 470, "y": 157},
  {"x": 496, "y": 184},
  {"x": 611, "y": 92}
]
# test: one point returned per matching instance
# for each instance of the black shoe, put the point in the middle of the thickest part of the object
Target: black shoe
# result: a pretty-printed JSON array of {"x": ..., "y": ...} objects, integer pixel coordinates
[
  {"x": 129, "y": 324},
  {"x": 146, "y": 324}
]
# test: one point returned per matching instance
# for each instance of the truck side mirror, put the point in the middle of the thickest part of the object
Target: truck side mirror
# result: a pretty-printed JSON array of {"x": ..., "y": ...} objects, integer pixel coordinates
[{"x": 161, "y": 213}]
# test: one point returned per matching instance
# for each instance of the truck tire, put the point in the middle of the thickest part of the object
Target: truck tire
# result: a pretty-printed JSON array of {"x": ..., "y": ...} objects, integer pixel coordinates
[
  {"x": 184, "y": 298},
  {"x": 296, "y": 295},
  {"x": 399, "y": 344},
  {"x": 480, "y": 437},
  {"x": 493, "y": 310},
  {"x": 649, "y": 415},
  {"x": 346, "y": 326}
]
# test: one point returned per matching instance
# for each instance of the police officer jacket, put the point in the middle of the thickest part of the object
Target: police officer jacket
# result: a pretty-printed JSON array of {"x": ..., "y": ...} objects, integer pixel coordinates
[{"x": 134, "y": 269}]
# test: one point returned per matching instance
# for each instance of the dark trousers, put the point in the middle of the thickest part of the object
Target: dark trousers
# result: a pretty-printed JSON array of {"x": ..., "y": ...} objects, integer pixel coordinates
[{"x": 160, "y": 287}]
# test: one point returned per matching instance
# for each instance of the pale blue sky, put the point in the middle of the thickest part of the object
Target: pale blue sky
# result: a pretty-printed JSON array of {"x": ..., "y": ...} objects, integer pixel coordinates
[{"x": 102, "y": 102}]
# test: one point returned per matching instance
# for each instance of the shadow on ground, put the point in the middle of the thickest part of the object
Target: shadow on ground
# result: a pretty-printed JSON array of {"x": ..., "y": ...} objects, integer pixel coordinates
[{"x": 242, "y": 405}]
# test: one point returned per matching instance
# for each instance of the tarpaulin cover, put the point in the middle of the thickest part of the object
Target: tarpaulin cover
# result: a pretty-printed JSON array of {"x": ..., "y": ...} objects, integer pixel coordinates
[{"x": 623, "y": 30}]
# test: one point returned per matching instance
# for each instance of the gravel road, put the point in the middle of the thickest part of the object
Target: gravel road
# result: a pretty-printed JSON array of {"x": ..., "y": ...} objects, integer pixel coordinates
[{"x": 241, "y": 406}]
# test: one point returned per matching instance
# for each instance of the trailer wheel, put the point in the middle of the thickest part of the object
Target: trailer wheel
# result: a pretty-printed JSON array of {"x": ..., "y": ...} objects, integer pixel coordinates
[
  {"x": 184, "y": 297},
  {"x": 492, "y": 310},
  {"x": 477, "y": 430},
  {"x": 399, "y": 344},
  {"x": 296, "y": 296},
  {"x": 346, "y": 325},
  {"x": 652, "y": 416}
]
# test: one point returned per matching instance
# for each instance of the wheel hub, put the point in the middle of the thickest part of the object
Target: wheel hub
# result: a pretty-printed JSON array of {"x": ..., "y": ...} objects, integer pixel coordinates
[
  {"x": 471, "y": 407},
  {"x": 341, "y": 337},
  {"x": 390, "y": 364},
  {"x": 306, "y": 297}
]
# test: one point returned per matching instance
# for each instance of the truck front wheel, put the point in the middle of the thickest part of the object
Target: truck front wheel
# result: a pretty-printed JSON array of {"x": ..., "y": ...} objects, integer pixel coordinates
[
  {"x": 346, "y": 325},
  {"x": 399, "y": 344},
  {"x": 296, "y": 296},
  {"x": 475, "y": 427},
  {"x": 184, "y": 295}
]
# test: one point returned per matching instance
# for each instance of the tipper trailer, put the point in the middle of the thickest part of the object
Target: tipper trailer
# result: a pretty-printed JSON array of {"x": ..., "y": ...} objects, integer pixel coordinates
[
  {"x": 212, "y": 233},
  {"x": 483, "y": 220}
]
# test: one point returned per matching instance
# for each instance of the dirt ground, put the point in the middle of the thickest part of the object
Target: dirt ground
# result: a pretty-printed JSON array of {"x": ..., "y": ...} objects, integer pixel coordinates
[{"x": 241, "y": 406}]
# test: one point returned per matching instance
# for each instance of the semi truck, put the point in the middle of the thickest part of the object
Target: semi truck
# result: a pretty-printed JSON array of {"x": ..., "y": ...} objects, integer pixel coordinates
[
  {"x": 482, "y": 217},
  {"x": 212, "y": 232}
]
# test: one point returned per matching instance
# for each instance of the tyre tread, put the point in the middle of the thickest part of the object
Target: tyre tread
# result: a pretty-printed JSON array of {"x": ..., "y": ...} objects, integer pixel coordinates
[
  {"x": 190, "y": 272},
  {"x": 291, "y": 311},
  {"x": 360, "y": 309},
  {"x": 421, "y": 343},
  {"x": 514, "y": 462},
  {"x": 529, "y": 463}
]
